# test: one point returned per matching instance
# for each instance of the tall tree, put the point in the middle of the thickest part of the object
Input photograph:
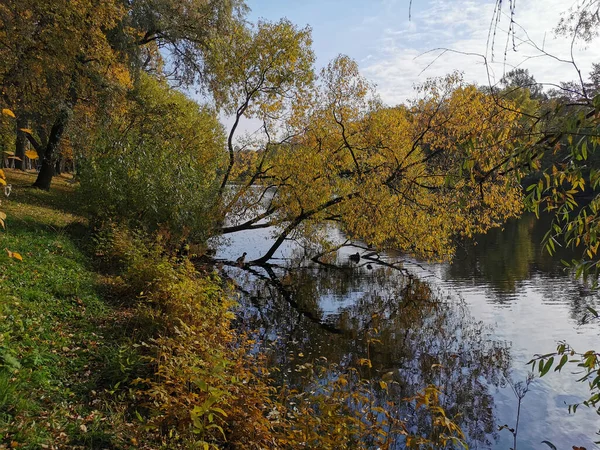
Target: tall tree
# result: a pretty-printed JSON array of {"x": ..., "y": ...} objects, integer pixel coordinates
[
  {"x": 63, "y": 54},
  {"x": 260, "y": 72},
  {"x": 57, "y": 55},
  {"x": 185, "y": 31}
]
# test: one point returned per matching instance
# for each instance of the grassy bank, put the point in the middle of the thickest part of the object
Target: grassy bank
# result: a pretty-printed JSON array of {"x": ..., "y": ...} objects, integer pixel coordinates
[
  {"x": 53, "y": 337},
  {"x": 106, "y": 342}
]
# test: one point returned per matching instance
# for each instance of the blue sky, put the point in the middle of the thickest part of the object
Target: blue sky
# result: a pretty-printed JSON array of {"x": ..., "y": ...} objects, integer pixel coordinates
[
  {"x": 348, "y": 27},
  {"x": 389, "y": 48}
]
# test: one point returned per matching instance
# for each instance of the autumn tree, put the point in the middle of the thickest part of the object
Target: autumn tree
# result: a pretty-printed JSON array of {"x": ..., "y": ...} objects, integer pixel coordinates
[
  {"x": 64, "y": 59},
  {"x": 411, "y": 178},
  {"x": 183, "y": 31},
  {"x": 57, "y": 55},
  {"x": 260, "y": 72}
]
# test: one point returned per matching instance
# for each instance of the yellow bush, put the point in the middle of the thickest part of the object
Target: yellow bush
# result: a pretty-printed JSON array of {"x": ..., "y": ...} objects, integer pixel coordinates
[{"x": 204, "y": 387}]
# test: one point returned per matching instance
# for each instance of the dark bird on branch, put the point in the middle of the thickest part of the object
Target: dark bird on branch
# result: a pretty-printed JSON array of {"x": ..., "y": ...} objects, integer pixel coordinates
[{"x": 240, "y": 261}]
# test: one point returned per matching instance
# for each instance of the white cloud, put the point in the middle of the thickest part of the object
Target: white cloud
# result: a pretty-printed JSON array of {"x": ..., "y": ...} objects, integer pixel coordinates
[{"x": 405, "y": 56}]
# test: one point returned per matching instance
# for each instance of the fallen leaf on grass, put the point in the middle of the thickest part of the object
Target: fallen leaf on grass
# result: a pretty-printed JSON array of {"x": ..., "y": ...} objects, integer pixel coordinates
[{"x": 14, "y": 255}]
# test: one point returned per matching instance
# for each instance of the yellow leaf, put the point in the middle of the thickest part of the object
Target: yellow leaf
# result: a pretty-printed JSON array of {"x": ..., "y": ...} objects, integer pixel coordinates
[
  {"x": 2, "y": 174},
  {"x": 8, "y": 112},
  {"x": 365, "y": 362},
  {"x": 2, "y": 215},
  {"x": 383, "y": 385},
  {"x": 26, "y": 130},
  {"x": 31, "y": 154},
  {"x": 14, "y": 255},
  {"x": 2, "y": 182},
  {"x": 2, "y": 224}
]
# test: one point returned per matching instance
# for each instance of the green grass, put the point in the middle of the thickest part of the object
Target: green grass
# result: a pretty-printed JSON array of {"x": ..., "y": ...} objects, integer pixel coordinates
[{"x": 58, "y": 355}]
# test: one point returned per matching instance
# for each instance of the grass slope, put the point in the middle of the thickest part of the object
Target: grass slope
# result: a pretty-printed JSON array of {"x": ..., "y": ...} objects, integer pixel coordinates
[{"x": 54, "y": 333}]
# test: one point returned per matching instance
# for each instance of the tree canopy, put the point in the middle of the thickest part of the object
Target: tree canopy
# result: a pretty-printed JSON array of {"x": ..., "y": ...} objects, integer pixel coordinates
[
  {"x": 64, "y": 59},
  {"x": 404, "y": 177}
]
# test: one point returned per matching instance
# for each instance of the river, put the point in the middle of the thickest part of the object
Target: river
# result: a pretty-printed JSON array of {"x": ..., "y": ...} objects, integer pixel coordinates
[{"x": 469, "y": 326}]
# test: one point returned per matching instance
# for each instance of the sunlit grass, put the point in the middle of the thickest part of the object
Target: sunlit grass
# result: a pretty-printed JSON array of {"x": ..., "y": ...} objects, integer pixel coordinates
[{"x": 50, "y": 311}]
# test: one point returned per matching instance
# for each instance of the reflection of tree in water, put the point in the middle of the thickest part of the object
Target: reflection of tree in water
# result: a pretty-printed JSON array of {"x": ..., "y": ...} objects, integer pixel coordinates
[
  {"x": 506, "y": 258},
  {"x": 577, "y": 294},
  {"x": 503, "y": 257},
  {"x": 420, "y": 338}
]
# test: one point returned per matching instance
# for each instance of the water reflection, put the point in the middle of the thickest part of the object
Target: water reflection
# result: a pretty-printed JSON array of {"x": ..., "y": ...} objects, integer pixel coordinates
[
  {"x": 411, "y": 334},
  {"x": 512, "y": 291},
  {"x": 506, "y": 261}
]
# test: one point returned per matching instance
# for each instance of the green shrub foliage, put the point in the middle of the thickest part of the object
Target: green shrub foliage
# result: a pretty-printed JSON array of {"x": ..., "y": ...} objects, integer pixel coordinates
[{"x": 154, "y": 163}]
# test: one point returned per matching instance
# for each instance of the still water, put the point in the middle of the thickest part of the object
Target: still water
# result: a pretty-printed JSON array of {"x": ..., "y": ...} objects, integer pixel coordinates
[{"x": 469, "y": 326}]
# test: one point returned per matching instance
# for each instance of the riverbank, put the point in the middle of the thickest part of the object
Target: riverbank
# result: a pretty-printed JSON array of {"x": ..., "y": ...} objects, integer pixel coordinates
[{"x": 106, "y": 343}]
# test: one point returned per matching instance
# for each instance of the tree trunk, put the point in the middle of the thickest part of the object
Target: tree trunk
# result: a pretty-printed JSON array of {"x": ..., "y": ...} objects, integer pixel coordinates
[
  {"x": 58, "y": 128},
  {"x": 20, "y": 144},
  {"x": 48, "y": 158},
  {"x": 45, "y": 176}
]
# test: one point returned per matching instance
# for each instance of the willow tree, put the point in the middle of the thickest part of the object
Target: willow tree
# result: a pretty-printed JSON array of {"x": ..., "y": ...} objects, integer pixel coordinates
[
  {"x": 184, "y": 31},
  {"x": 411, "y": 178},
  {"x": 259, "y": 72},
  {"x": 152, "y": 164}
]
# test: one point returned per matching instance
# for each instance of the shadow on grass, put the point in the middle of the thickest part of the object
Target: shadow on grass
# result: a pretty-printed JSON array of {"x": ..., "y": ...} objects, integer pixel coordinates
[
  {"x": 81, "y": 356},
  {"x": 60, "y": 197}
]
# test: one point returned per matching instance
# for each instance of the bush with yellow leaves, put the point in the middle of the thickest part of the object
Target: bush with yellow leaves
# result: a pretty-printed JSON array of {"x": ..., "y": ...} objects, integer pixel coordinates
[{"x": 202, "y": 385}]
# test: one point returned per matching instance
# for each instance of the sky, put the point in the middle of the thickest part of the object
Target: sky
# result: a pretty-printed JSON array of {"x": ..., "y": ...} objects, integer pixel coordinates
[{"x": 396, "y": 51}]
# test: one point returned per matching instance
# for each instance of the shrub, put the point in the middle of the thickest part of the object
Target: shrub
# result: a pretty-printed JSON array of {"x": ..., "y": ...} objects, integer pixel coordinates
[
  {"x": 155, "y": 163},
  {"x": 200, "y": 383}
]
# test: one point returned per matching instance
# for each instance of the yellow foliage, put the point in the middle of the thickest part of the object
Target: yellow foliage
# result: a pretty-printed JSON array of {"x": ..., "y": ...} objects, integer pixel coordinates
[
  {"x": 14, "y": 255},
  {"x": 8, "y": 112},
  {"x": 408, "y": 178},
  {"x": 31, "y": 154}
]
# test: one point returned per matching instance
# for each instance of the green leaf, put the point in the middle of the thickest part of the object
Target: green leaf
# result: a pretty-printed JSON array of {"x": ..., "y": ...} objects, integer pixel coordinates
[
  {"x": 545, "y": 368},
  {"x": 9, "y": 360},
  {"x": 220, "y": 411},
  {"x": 562, "y": 362}
]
